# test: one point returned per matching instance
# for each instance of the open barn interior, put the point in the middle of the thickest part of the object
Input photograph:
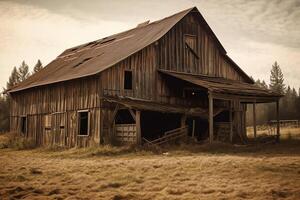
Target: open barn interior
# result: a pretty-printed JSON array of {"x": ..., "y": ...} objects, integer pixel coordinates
[{"x": 155, "y": 124}]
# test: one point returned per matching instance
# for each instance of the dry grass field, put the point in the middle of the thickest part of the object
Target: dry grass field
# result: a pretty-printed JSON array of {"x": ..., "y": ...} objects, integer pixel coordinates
[{"x": 269, "y": 171}]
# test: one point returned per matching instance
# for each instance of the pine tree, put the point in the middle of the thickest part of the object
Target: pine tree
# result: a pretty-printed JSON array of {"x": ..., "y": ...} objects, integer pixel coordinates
[
  {"x": 38, "y": 66},
  {"x": 276, "y": 79},
  {"x": 264, "y": 85},
  {"x": 14, "y": 78},
  {"x": 24, "y": 71}
]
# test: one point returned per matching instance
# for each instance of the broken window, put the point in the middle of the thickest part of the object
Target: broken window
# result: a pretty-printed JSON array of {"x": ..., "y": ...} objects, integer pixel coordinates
[
  {"x": 83, "y": 123},
  {"x": 48, "y": 122},
  {"x": 23, "y": 125},
  {"x": 128, "y": 80}
]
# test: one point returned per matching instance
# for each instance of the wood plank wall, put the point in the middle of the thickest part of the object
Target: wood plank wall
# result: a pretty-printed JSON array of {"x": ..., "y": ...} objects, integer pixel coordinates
[
  {"x": 62, "y": 101},
  {"x": 171, "y": 52},
  {"x": 143, "y": 67}
]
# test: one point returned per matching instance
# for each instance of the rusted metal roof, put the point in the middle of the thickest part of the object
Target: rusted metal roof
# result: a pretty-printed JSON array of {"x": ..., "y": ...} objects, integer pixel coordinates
[
  {"x": 93, "y": 57},
  {"x": 222, "y": 85}
]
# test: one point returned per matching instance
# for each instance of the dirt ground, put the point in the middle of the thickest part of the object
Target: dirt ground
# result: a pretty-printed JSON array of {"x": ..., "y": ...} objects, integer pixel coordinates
[{"x": 269, "y": 171}]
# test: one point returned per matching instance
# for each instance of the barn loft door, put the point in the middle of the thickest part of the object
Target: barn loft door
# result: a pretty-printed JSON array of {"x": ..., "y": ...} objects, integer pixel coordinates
[
  {"x": 58, "y": 135},
  {"x": 190, "y": 52}
]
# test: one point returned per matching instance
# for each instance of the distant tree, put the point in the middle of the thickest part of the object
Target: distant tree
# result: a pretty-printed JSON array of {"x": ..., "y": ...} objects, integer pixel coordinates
[
  {"x": 261, "y": 84},
  {"x": 264, "y": 84},
  {"x": 24, "y": 71},
  {"x": 4, "y": 114},
  {"x": 38, "y": 66},
  {"x": 294, "y": 93},
  {"x": 276, "y": 79},
  {"x": 14, "y": 78}
]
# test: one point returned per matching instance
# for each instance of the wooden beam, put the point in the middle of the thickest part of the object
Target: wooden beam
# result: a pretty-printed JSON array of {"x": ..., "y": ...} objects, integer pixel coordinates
[
  {"x": 278, "y": 121},
  {"x": 211, "y": 118},
  {"x": 132, "y": 114},
  {"x": 114, "y": 115},
  {"x": 138, "y": 127},
  {"x": 254, "y": 120},
  {"x": 193, "y": 130},
  {"x": 183, "y": 119},
  {"x": 231, "y": 122}
]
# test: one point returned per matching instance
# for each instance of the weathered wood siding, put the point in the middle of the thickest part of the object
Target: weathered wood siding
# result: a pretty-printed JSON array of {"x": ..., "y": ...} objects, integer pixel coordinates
[
  {"x": 143, "y": 67},
  {"x": 61, "y": 101},
  {"x": 173, "y": 54}
]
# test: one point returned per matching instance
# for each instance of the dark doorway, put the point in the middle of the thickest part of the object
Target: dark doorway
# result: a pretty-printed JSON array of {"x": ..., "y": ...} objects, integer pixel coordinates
[
  {"x": 23, "y": 125},
  {"x": 124, "y": 117},
  {"x": 83, "y": 123},
  {"x": 199, "y": 126},
  {"x": 155, "y": 124}
]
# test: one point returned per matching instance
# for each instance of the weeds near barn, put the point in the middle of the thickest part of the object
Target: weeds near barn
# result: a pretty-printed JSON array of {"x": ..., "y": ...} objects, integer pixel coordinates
[
  {"x": 12, "y": 140},
  {"x": 221, "y": 171}
]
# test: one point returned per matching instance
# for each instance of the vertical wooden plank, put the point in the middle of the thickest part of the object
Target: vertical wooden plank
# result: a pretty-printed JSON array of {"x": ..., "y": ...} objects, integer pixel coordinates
[
  {"x": 183, "y": 120},
  {"x": 138, "y": 127},
  {"x": 231, "y": 122},
  {"x": 193, "y": 130},
  {"x": 211, "y": 118},
  {"x": 254, "y": 120},
  {"x": 278, "y": 121}
]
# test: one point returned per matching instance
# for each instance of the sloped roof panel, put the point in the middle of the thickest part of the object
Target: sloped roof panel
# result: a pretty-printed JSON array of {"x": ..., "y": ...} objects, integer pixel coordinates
[{"x": 221, "y": 85}]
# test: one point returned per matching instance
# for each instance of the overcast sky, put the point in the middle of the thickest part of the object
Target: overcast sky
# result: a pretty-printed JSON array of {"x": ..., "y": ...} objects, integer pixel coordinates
[{"x": 254, "y": 33}]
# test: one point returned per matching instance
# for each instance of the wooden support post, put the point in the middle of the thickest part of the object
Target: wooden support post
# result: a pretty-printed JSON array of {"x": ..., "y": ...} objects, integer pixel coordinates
[
  {"x": 254, "y": 120},
  {"x": 231, "y": 123},
  {"x": 278, "y": 121},
  {"x": 183, "y": 119},
  {"x": 193, "y": 130},
  {"x": 211, "y": 118},
  {"x": 138, "y": 127}
]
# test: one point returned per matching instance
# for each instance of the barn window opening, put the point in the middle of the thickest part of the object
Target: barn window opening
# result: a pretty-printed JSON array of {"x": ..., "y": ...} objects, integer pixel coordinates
[
  {"x": 23, "y": 125},
  {"x": 83, "y": 61},
  {"x": 83, "y": 123},
  {"x": 48, "y": 122},
  {"x": 128, "y": 80}
]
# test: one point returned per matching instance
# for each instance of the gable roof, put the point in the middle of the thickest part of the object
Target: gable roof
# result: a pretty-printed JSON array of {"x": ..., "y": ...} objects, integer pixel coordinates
[{"x": 94, "y": 57}]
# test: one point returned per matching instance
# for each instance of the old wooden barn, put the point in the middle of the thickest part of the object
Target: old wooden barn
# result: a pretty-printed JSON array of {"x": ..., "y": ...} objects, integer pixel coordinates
[{"x": 165, "y": 78}]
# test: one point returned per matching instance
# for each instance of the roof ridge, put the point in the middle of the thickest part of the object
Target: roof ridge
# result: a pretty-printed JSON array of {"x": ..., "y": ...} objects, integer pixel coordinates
[{"x": 131, "y": 29}]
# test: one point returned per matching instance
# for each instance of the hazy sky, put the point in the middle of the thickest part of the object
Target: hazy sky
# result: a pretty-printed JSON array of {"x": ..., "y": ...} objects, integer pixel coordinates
[{"x": 254, "y": 33}]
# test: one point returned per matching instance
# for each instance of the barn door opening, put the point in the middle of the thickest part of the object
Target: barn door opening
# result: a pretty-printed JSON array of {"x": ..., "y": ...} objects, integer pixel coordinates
[
  {"x": 155, "y": 124},
  {"x": 125, "y": 126},
  {"x": 197, "y": 128},
  {"x": 58, "y": 133},
  {"x": 23, "y": 127}
]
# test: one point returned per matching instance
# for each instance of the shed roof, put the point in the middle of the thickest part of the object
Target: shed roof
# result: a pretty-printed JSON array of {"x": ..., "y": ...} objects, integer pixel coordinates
[
  {"x": 142, "y": 104},
  {"x": 93, "y": 57},
  {"x": 223, "y": 86}
]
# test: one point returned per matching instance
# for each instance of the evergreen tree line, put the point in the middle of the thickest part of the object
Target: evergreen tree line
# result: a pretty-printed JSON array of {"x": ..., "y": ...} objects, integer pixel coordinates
[
  {"x": 289, "y": 104},
  {"x": 17, "y": 75}
]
